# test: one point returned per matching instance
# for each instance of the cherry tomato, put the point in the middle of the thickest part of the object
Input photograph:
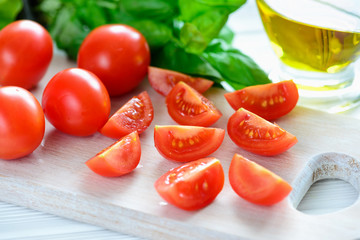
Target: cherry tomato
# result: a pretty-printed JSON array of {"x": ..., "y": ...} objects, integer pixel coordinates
[
  {"x": 118, "y": 54},
  {"x": 25, "y": 53},
  {"x": 255, "y": 183},
  {"x": 163, "y": 80},
  {"x": 76, "y": 102},
  {"x": 255, "y": 134},
  {"x": 269, "y": 101},
  {"x": 22, "y": 123},
  {"x": 193, "y": 185},
  {"x": 118, "y": 159},
  {"x": 187, "y": 143},
  {"x": 188, "y": 107},
  {"x": 136, "y": 115}
]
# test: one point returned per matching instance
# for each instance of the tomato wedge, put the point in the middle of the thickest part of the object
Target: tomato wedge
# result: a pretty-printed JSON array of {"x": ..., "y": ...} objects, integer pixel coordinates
[
  {"x": 136, "y": 115},
  {"x": 193, "y": 185},
  {"x": 163, "y": 80},
  {"x": 270, "y": 101},
  {"x": 187, "y": 106},
  {"x": 256, "y": 135},
  {"x": 187, "y": 143},
  {"x": 118, "y": 159},
  {"x": 255, "y": 183}
]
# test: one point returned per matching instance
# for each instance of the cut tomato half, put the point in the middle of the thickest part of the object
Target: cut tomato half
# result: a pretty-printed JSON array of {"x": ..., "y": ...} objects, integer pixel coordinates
[
  {"x": 136, "y": 115},
  {"x": 187, "y": 143},
  {"x": 255, "y": 183},
  {"x": 118, "y": 159},
  {"x": 193, "y": 185},
  {"x": 163, "y": 80},
  {"x": 269, "y": 101},
  {"x": 187, "y": 106},
  {"x": 257, "y": 135}
]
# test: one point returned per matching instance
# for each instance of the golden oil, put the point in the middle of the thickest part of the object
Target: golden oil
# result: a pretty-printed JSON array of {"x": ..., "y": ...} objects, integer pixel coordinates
[{"x": 304, "y": 38}]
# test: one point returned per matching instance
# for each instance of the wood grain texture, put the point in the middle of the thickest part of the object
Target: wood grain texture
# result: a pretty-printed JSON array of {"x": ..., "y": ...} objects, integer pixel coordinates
[
  {"x": 327, "y": 196},
  {"x": 54, "y": 179}
]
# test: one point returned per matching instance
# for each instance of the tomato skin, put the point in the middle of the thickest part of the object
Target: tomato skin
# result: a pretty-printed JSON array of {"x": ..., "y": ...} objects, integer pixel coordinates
[
  {"x": 270, "y": 101},
  {"x": 76, "y": 102},
  {"x": 22, "y": 124},
  {"x": 256, "y": 135},
  {"x": 187, "y": 143},
  {"x": 186, "y": 106},
  {"x": 26, "y": 50},
  {"x": 193, "y": 185},
  {"x": 255, "y": 183},
  {"x": 118, "y": 54},
  {"x": 163, "y": 80},
  {"x": 120, "y": 158},
  {"x": 136, "y": 115}
]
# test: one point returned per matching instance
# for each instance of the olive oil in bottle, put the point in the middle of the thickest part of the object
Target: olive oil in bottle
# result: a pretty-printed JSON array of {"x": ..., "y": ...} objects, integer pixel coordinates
[{"x": 312, "y": 35}]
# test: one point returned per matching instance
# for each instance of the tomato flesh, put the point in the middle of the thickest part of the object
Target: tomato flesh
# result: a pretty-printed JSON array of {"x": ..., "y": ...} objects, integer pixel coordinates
[
  {"x": 255, "y": 183},
  {"x": 118, "y": 159},
  {"x": 270, "y": 101},
  {"x": 136, "y": 115},
  {"x": 76, "y": 102},
  {"x": 256, "y": 135},
  {"x": 186, "y": 106},
  {"x": 26, "y": 51},
  {"x": 187, "y": 143},
  {"x": 163, "y": 80},
  {"x": 22, "y": 123},
  {"x": 193, "y": 185}
]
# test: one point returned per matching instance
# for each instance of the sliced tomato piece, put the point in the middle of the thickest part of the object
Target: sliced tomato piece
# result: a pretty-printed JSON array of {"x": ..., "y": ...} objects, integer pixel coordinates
[
  {"x": 187, "y": 143},
  {"x": 193, "y": 185},
  {"x": 136, "y": 115},
  {"x": 255, "y": 183},
  {"x": 163, "y": 80},
  {"x": 118, "y": 159},
  {"x": 254, "y": 134},
  {"x": 270, "y": 101},
  {"x": 187, "y": 106}
]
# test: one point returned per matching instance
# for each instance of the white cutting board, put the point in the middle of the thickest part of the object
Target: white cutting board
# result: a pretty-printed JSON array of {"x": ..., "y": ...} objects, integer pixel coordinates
[{"x": 55, "y": 179}]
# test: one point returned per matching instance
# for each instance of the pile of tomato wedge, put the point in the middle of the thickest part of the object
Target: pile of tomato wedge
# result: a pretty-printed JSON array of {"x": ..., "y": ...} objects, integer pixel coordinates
[
  {"x": 196, "y": 183},
  {"x": 77, "y": 101}
]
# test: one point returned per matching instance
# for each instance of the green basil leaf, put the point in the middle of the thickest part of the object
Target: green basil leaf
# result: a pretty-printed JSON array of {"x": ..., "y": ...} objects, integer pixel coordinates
[
  {"x": 173, "y": 57},
  {"x": 9, "y": 9},
  {"x": 197, "y": 34},
  {"x": 157, "y": 34},
  {"x": 151, "y": 9},
  {"x": 68, "y": 32},
  {"x": 230, "y": 4},
  {"x": 192, "y": 39},
  {"x": 91, "y": 15},
  {"x": 190, "y": 9},
  {"x": 236, "y": 68},
  {"x": 226, "y": 34},
  {"x": 203, "y": 21}
]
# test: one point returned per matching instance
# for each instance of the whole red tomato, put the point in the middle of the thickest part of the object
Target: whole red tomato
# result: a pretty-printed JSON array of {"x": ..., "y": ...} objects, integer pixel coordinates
[
  {"x": 26, "y": 50},
  {"x": 118, "y": 54},
  {"x": 22, "y": 122},
  {"x": 76, "y": 102}
]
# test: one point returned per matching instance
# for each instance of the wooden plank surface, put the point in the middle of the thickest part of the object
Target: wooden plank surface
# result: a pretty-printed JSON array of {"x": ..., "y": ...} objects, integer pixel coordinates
[
  {"x": 281, "y": 220},
  {"x": 55, "y": 179}
]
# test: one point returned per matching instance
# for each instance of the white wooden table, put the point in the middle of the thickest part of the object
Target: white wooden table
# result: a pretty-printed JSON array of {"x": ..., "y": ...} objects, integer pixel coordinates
[{"x": 325, "y": 196}]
